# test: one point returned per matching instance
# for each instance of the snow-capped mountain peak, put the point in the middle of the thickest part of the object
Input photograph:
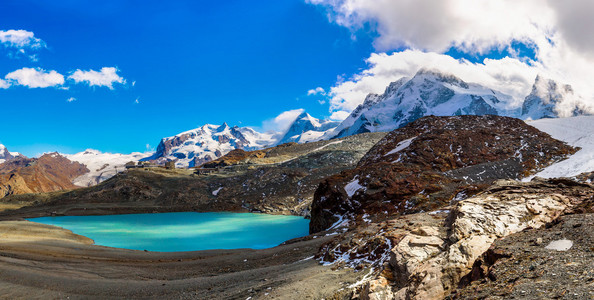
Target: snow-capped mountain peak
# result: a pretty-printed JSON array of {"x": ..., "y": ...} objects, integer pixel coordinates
[
  {"x": 6, "y": 155},
  {"x": 306, "y": 128},
  {"x": 549, "y": 99},
  {"x": 428, "y": 92},
  {"x": 208, "y": 142}
]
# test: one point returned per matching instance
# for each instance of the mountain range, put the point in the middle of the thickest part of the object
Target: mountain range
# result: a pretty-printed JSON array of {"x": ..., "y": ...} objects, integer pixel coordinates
[
  {"x": 405, "y": 100},
  {"x": 428, "y": 92}
]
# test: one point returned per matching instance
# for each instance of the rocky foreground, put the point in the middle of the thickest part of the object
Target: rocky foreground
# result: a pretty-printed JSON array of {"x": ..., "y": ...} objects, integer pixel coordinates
[
  {"x": 432, "y": 255},
  {"x": 429, "y": 211}
]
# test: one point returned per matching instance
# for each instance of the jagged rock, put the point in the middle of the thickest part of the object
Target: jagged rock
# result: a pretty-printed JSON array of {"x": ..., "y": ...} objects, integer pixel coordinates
[{"x": 549, "y": 99}]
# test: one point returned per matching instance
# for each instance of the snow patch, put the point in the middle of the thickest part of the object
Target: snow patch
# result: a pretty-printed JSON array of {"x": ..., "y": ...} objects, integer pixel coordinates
[
  {"x": 352, "y": 187},
  {"x": 575, "y": 131},
  {"x": 401, "y": 146},
  {"x": 102, "y": 165},
  {"x": 216, "y": 192}
]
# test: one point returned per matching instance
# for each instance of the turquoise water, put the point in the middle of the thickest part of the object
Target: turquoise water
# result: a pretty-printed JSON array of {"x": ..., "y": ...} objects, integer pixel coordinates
[{"x": 184, "y": 231}]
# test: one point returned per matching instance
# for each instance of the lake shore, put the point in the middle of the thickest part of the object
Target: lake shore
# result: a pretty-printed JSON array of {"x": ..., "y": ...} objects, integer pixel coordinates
[{"x": 41, "y": 261}]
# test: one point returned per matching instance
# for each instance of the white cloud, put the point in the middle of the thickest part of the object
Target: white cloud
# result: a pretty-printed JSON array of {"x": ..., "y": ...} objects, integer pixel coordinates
[
  {"x": 137, "y": 101},
  {"x": 575, "y": 23},
  {"x": 107, "y": 76},
  {"x": 282, "y": 122},
  {"x": 4, "y": 84},
  {"x": 558, "y": 31},
  {"x": 436, "y": 25},
  {"x": 35, "y": 78},
  {"x": 71, "y": 99},
  {"x": 21, "y": 42},
  {"x": 339, "y": 115},
  {"x": 20, "y": 39},
  {"x": 316, "y": 91}
]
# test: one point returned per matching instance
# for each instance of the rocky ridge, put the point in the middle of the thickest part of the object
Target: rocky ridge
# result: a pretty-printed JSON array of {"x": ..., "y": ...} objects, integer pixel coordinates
[{"x": 431, "y": 162}]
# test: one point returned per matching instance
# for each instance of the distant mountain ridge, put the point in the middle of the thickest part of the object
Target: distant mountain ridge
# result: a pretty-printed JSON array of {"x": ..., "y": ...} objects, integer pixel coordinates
[
  {"x": 209, "y": 142},
  {"x": 428, "y": 92},
  {"x": 306, "y": 128},
  {"x": 431, "y": 92}
]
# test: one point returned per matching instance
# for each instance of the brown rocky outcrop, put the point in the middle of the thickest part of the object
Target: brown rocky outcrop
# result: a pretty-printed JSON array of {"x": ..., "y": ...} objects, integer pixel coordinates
[
  {"x": 48, "y": 173},
  {"x": 234, "y": 157},
  {"x": 432, "y": 161}
]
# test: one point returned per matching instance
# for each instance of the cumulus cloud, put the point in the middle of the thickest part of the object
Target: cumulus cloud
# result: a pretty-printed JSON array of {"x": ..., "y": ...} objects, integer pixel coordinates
[
  {"x": 4, "y": 84},
  {"x": 316, "y": 91},
  {"x": 283, "y": 121},
  {"x": 35, "y": 78},
  {"x": 71, "y": 99},
  {"x": 437, "y": 25},
  {"x": 557, "y": 31},
  {"x": 21, "y": 42},
  {"x": 107, "y": 76},
  {"x": 575, "y": 22},
  {"x": 20, "y": 39}
]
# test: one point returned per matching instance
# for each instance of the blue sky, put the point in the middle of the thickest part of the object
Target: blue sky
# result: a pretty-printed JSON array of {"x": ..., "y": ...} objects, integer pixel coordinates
[
  {"x": 136, "y": 71},
  {"x": 193, "y": 62}
]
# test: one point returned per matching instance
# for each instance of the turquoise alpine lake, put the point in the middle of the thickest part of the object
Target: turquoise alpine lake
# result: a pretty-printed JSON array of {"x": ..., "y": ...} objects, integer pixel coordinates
[{"x": 184, "y": 231}]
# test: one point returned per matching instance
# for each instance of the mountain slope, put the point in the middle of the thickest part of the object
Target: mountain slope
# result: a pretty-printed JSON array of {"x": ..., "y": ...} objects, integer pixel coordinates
[
  {"x": 280, "y": 181},
  {"x": 429, "y": 162},
  {"x": 48, "y": 173}
]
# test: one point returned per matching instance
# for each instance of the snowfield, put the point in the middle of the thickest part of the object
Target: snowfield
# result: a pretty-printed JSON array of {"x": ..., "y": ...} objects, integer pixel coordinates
[
  {"x": 575, "y": 131},
  {"x": 102, "y": 165}
]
